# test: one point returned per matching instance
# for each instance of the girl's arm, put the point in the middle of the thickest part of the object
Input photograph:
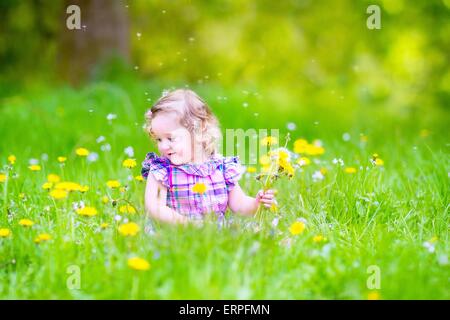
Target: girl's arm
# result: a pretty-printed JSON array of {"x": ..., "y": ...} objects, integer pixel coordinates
[
  {"x": 239, "y": 202},
  {"x": 155, "y": 203}
]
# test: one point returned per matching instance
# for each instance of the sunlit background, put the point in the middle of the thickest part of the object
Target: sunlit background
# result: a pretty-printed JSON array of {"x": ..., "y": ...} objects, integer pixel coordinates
[
  {"x": 372, "y": 105},
  {"x": 299, "y": 55}
]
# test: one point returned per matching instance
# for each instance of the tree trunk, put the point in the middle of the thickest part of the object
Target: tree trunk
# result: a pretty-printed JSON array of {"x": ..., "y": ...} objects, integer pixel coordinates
[{"x": 104, "y": 32}]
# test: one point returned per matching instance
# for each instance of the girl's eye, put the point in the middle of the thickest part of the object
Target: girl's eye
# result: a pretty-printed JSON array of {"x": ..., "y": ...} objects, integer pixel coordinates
[{"x": 158, "y": 139}]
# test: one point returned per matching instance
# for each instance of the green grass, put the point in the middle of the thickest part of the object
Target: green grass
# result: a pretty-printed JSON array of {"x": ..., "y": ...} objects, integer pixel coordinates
[{"x": 378, "y": 216}]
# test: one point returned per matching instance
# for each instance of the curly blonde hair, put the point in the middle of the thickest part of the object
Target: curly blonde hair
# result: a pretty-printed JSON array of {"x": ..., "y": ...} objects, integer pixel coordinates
[{"x": 194, "y": 114}]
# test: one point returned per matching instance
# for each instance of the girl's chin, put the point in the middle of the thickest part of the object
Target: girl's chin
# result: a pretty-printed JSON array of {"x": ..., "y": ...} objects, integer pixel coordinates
[{"x": 176, "y": 160}]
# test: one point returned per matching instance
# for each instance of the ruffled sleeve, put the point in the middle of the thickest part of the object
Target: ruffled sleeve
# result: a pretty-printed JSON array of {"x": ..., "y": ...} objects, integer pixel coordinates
[
  {"x": 157, "y": 166},
  {"x": 232, "y": 171}
]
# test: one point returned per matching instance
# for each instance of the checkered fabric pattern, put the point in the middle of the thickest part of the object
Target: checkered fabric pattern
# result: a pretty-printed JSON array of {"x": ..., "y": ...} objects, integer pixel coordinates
[{"x": 219, "y": 174}]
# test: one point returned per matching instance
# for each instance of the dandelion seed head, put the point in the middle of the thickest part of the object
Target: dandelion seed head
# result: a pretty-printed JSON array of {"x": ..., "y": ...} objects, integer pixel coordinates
[
  {"x": 111, "y": 116},
  {"x": 92, "y": 157},
  {"x": 291, "y": 126},
  {"x": 106, "y": 147},
  {"x": 129, "y": 151},
  {"x": 346, "y": 136}
]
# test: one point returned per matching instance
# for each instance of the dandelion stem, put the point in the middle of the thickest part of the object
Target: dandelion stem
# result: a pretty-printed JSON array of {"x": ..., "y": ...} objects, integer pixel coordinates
[{"x": 266, "y": 185}]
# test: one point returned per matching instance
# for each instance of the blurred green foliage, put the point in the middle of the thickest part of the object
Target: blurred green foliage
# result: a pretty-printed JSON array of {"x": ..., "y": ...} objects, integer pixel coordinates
[{"x": 300, "y": 53}]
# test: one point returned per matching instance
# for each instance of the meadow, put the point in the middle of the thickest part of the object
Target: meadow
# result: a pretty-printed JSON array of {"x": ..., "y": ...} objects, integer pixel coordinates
[{"x": 365, "y": 215}]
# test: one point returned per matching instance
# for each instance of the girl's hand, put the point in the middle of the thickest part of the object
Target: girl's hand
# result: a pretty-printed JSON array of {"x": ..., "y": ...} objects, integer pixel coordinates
[{"x": 267, "y": 198}]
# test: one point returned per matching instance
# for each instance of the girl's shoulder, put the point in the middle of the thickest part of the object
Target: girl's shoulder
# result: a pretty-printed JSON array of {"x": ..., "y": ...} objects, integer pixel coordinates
[
  {"x": 153, "y": 161},
  {"x": 157, "y": 166}
]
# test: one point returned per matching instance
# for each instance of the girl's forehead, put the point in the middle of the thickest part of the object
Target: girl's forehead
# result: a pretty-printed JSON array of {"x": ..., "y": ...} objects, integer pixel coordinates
[{"x": 166, "y": 123}]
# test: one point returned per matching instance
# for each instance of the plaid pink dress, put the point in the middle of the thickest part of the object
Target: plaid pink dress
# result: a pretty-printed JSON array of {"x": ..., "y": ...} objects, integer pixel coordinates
[{"x": 219, "y": 174}]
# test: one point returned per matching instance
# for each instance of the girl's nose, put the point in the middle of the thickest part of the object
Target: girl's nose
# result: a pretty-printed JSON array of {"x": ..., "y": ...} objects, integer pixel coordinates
[{"x": 164, "y": 146}]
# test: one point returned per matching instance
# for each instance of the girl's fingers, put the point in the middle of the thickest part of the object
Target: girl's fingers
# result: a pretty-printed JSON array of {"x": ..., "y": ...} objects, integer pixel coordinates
[{"x": 266, "y": 197}]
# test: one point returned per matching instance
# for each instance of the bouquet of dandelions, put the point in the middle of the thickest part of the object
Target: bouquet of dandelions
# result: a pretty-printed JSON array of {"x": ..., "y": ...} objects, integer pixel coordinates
[{"x": 276, "y": 164}]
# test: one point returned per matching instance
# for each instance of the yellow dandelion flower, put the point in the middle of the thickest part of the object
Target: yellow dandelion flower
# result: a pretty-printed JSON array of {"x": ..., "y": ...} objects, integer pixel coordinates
[
  {"x": 300, "y": 145},
  {"x": 199, "y": 188},
  {"x": 373, "y": 295},
  {"x": 4, "y": 232},
  {"x": 264, "y": 160},
  {"x": 265, "y": 169},
  {"x": 83, "y": 189},
  {"x": 379, "y": 162},
  {"x": 274, "y": 208},
  {"x": 129, "y": 229},
  {"x": 35, "y": 167},
  {"x": 280, "y": 155},
  {"x": 376, "y": 161},
  {"x": 26, "y": 222},
  {"x": 319, "y": 238},
  {"x": 113, "y": 184},
  {"x": 297, "y": 228},
  {"x": 286, "y": 168},
  {"x": 269, "y": 141},
  {"x": 139, "y": 178},
  {"x": 122, "y": 189},
  {"x": 53, "y": 178},
  {"x": 303, "y": 161},
  {"x": 42, "y": 237},
  {"x": 68, "y": 186},
  {"x": 137, "y": 263},
  {"x": 251, "y": 169},
  {"x": 22, "y": 195},
  {"x": 82, "y": 152},
  {"x": 62, "y": 159},
  {"x": 47, "y": 185},
  {"x": 129, "y": 163},
  {"x": 127, "y": 209},
  {"x": 283, "y": 155},
  {"x": 87, "y": 211},
  {"x": 314, "y": 150},
  {"x": 58, "y": 194},
  {"x": 350, "y": 170},
  {"x": 12, "y": 159},
  {"x": 2, "y": 177},
  {"x": 104, "y": 225},
  {"x": 323, "y": 171},
  {"x": 105, "y": 199}
]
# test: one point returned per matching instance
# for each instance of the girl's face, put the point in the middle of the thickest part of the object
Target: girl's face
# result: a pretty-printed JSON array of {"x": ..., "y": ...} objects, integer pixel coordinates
[{"x": 174, "y": 140}]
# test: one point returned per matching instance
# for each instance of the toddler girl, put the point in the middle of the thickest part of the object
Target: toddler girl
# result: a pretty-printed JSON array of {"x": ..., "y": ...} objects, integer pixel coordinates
[{"x": 189, "y": 179}]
